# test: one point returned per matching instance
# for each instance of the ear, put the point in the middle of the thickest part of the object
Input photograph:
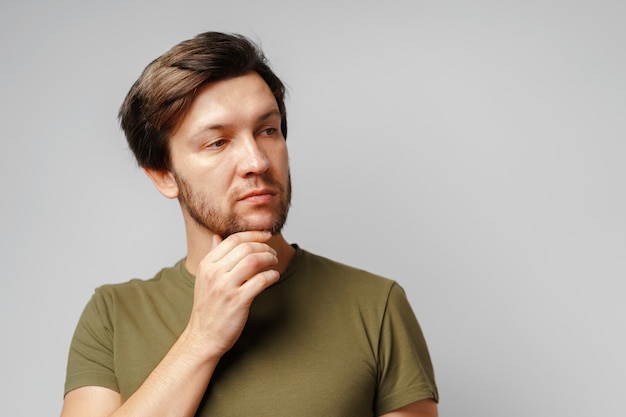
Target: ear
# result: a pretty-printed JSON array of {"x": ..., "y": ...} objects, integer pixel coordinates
[{"x": 164, "y": 181}]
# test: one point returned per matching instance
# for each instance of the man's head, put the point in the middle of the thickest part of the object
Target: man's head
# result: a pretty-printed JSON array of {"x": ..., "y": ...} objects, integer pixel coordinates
[
  {"x": 207, "y": 123},
  {"x": 160, "y": 98}
]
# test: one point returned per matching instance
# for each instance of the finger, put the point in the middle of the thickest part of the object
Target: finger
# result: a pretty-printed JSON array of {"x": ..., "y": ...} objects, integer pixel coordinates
[
  {"x": 258, "y": 283},
  {"x": 243, "y": 251},
  {"x": 222, "y": 247},
  {"x": 217, "y": 239},
  {"x": 250, "y": 265},
  {"x": 236, "y": 255}
]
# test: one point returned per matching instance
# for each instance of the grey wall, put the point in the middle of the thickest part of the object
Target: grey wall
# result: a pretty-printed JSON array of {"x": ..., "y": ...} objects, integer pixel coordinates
[{"x": 472, "y": 150}]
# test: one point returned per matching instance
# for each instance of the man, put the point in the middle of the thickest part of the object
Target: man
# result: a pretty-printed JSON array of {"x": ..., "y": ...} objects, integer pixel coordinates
[{"x": 246, "y": 324}]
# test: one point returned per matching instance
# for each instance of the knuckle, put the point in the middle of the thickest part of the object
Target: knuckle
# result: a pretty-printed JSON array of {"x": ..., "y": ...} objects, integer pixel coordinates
[
  {"x": 253, "y": 262},
  {"x": 268, "y": 278},
  {"x": 247, "y": 247}
]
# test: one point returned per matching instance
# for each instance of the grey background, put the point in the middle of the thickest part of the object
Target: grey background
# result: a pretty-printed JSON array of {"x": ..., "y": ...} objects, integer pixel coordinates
[{"x": 472, "y": 150}]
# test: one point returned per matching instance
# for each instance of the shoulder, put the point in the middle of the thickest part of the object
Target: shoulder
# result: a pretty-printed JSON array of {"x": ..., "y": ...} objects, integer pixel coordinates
[
  {"x": 135, "y": 290},
  {"x": 337, "y": 274}
]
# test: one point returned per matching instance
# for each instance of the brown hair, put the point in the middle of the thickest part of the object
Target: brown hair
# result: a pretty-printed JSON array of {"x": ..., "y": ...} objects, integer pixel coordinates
[{"x": 160, "y": 98}]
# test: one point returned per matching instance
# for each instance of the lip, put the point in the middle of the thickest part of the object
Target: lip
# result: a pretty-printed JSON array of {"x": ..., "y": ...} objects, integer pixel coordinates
[{"x": 258, "y": 196}]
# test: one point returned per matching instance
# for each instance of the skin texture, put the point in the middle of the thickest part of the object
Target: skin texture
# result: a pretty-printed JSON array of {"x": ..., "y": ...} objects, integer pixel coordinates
[{"x": 230, "y": 173}]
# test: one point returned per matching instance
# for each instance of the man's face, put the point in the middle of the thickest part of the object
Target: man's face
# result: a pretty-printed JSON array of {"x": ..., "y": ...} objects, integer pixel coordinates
[{"x": 229, "y": 158}]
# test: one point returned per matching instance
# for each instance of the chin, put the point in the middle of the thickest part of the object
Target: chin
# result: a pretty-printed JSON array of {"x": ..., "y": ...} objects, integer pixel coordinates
[
  {"x": 264, "y": 228},
  {"x": 271, "y": 225}
]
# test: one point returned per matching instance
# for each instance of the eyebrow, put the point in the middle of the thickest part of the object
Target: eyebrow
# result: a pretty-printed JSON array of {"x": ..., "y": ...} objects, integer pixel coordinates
[
  {"x": 220, "y": 126},
  {"x": 269, "y": 115}
]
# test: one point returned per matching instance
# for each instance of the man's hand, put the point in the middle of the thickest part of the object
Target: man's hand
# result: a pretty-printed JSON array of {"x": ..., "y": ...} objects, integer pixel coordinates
[{"x": 228, "y": 279}]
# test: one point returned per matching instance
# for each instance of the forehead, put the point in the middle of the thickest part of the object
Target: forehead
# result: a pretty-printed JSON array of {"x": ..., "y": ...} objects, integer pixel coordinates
[{"x": 230, "y": 100}]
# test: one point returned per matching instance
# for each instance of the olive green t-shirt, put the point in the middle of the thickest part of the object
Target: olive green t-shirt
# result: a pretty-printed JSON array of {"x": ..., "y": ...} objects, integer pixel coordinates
[{"x": 326, "y": 340}]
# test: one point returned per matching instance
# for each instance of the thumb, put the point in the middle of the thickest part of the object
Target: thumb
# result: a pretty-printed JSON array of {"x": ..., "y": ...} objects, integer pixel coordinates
[{"x": 215, "y": 241}]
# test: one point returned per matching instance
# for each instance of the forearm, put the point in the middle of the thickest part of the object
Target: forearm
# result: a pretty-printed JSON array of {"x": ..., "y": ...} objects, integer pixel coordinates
[{"x": 176, "y": 386}]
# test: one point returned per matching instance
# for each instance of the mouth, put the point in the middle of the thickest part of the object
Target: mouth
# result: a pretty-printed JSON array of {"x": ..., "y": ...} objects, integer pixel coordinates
[{"x": 261, "y": 196}]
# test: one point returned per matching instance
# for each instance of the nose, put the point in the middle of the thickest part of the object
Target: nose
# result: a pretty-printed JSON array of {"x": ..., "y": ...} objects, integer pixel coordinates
[{"x": 254, "y": 160}]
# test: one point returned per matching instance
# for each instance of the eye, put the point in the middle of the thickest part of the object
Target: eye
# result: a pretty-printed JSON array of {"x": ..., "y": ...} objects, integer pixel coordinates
[
  {"x": 216, "y": 144},
  {"x": 270, "y": 131}
]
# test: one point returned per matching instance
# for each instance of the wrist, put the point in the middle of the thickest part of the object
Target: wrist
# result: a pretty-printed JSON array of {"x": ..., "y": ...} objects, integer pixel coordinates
[{"x": 197, "y": 348}]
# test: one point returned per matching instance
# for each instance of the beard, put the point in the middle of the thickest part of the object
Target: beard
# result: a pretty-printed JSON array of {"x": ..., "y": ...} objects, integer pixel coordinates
[{"x": 207, "y": 214}]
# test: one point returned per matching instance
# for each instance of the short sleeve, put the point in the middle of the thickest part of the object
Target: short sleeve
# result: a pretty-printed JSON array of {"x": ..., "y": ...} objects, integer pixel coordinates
[
  {"x": 90, "y": 360},
  {"x": 405, "y": 370}
]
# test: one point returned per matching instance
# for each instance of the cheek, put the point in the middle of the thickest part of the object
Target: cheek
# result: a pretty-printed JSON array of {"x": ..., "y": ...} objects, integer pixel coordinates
[
  {"x": 281, "y": 159},
  {"x": 209, "y": 185}
]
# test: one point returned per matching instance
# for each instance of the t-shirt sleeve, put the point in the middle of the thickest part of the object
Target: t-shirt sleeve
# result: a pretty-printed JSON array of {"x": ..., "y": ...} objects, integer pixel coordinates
[
  {"x": 405, "y": 370},
  {"x": 90, "y": 360}
]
